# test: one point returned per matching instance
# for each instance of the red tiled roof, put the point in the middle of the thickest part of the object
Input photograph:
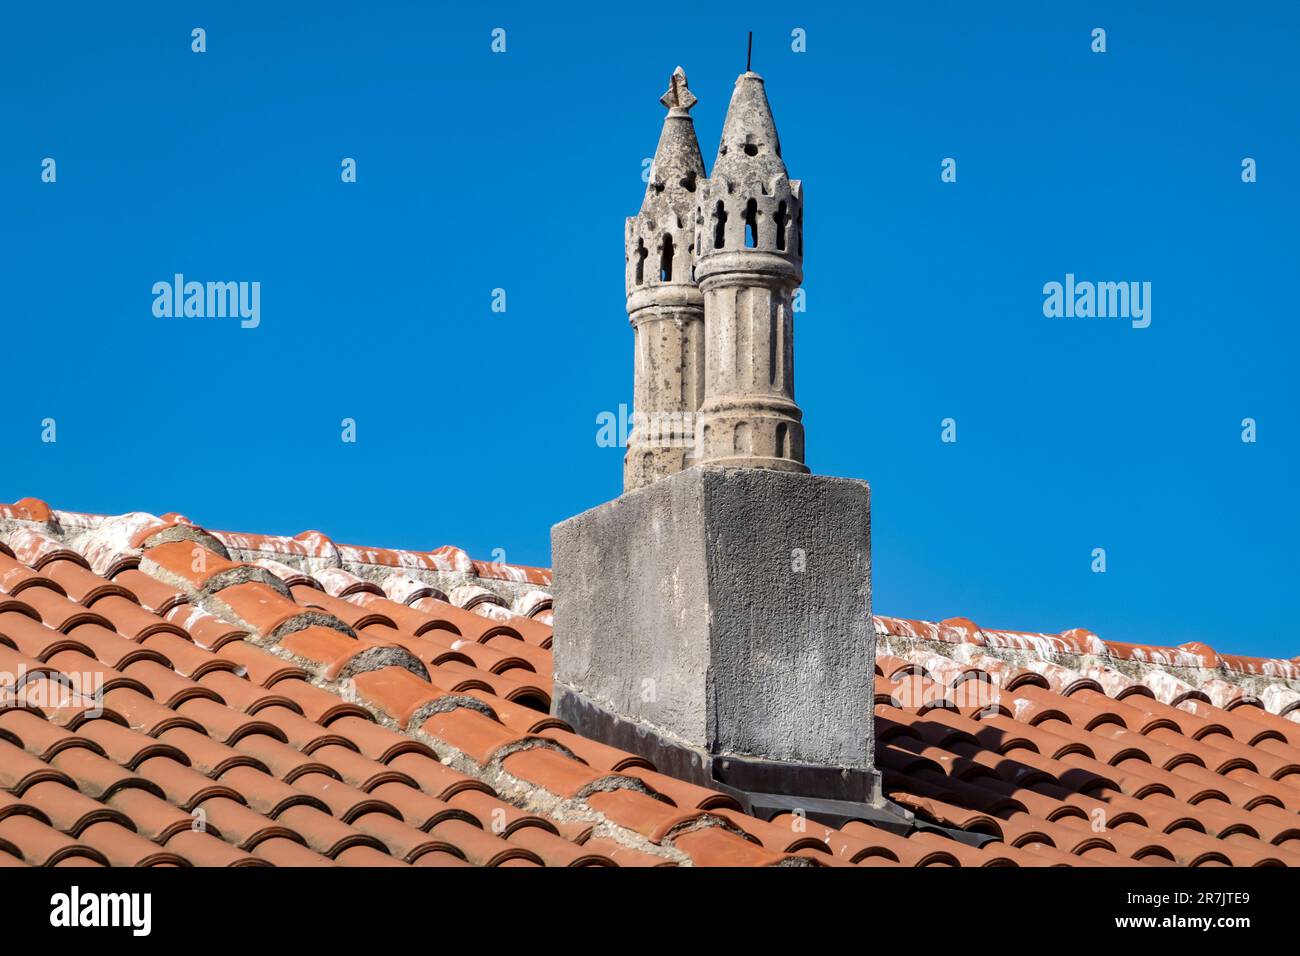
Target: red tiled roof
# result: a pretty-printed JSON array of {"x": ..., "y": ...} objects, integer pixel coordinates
[{"x": 292, "y": 701}]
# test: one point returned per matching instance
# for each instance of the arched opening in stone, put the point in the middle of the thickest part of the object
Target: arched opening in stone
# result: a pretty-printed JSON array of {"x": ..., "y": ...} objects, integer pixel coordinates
[
  {"x": 666, "y": 259},
  {"x": 719, "y": 225},
  {"x": 641, "y": 253},
  {"x": 782, "y": 219}
]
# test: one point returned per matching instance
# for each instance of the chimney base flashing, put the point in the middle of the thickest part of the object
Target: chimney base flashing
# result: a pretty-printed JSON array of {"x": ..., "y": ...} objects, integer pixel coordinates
[{"x": 763, "y": 788}]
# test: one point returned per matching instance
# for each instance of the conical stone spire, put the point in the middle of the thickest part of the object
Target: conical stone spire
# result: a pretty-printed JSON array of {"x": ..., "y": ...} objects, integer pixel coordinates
[
  {"x": 748, "y": 262},
  {"x": 664, "y": 303},
  {"x": 750, "y": 150}
]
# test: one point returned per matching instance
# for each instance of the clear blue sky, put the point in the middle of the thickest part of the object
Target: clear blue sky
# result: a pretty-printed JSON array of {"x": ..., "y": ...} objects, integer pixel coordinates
[{"x": 478, "y": 171}]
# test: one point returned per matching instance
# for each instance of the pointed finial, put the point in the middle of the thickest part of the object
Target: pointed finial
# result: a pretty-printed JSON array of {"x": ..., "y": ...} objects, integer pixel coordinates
[
  {"x": 679, "y": 95},
  {"x": 749, "y": 52}
]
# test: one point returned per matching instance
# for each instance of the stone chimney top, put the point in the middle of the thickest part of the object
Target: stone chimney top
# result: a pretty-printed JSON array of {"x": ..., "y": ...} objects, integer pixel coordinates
[
  {"x": 679, "y": 99},
  {"x": 664, "y": 304},
  {"x": 749, "y": 262},
  {"x": 675, "y": 174},
  {"x": 750, "y": 150}
]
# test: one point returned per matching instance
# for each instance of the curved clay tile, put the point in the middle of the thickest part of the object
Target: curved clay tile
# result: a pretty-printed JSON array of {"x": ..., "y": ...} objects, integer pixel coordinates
[
  {"x": 149, "y": 592},
  {"x": 267, "y": 613},
  {"x": 1110, "y": 682},
  {"x": 497, "y": 816},
  {"x": 900, "y": 627},
  {"x": 20, "y": 770},
  {"x": 556, "y": 773},
  {"x": 555, "y": 850},
  {"x": 404, "y": 588},
  {"x": 531, "y": 603},
  {"x": 175, "y": 527},
  {"x": 1166, "y": 687},
  {"x": 343, "y": 800},
  {"x": 1280, "y": 700},
  {"x": 227, "y": 725},
  {"x": 915, "y": 691},
  {"x": 59, "y": 613},
  {"x": 16, "y": 578},
  {"x": 399, "y": 694},
  {"x": 35, "y": 548},
  {"x": 883, "y": 693},
  {"x": 469, "y": 596},
  {"x": 1061, "y": 680},
  {"x": 948, "y": 814},
  {"x": 479, "y": 737},
  {"x": 355, "y": 616},
  {"x": 110, "y": 546},
  {"x": 942, "y": 670},
  {"x": 325, "y": 834},
  {"x": 318, "y": 704},
  {"x": 1224, "y": 694},
  {"x": 364, "y": 655},
  {"x": 517, "y": 573},
  {"x": 1039, "y": 644},
  {"x": 961, "y": 630},
  {"x": 482, "y": 848},
  {"x": 81, "y": 584},
  {"x": 1085, "y": 640},
  {"x": 339, "y": 583},
  {"x": 1268, "y": 667},
  {"x": 286, "y": 763},
  {"x": 181, "y": 655},
  {"x": 288, "y": 576},
  {"x": 27, "y": 509},
  {"x": 206, "y": 630},
  {"x": 1156, "y": 655},
  {"x": 308, "y": 544},
  {"x": 290, "y": 726}
]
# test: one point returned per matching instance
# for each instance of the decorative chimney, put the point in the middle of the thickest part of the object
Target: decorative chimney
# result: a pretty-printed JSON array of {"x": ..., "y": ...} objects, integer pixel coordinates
[
  {"x": 664, "y": 303},
  {"x": 717, "y": 619},
  {"x": 749, "y": 261}
]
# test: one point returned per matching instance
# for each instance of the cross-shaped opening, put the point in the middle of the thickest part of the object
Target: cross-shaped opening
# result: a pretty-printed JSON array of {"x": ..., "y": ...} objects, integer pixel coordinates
[
  {"x": 782, "y": 220},
  {"x": 641, "y": 253},
  {"x": 719, "y": 226},
  {"x": 751, "y": 224}
]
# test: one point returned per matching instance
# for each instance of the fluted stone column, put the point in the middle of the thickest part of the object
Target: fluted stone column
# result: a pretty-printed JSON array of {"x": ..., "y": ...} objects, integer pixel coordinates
[
  {"x": 664, "y": 303},
  {"x": 749, "y": 261}
]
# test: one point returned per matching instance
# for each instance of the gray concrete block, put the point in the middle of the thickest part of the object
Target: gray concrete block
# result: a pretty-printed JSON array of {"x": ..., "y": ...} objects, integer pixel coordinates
[{"x": 726, "y": 609}]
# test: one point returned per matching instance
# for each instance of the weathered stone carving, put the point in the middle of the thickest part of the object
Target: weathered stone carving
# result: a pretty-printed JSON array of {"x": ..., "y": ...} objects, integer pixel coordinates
[
  {"x": 748, "y": 262},
  {"x": 664, "y": 303}
]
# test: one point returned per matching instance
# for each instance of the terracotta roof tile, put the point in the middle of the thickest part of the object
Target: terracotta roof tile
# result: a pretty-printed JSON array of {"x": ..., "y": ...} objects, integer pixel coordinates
[
  {"x": 480, "y": 847},
  {"x": 554, "y": 850},
  {"x": 290, "y": 701},
  {"x": 434, "y": 778},
  {"x": 42, "y": 845},
  {"x": 418, "y": 808},
  {"x": 281, "y": 852},
  {"x": 207, "y": 849}
]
